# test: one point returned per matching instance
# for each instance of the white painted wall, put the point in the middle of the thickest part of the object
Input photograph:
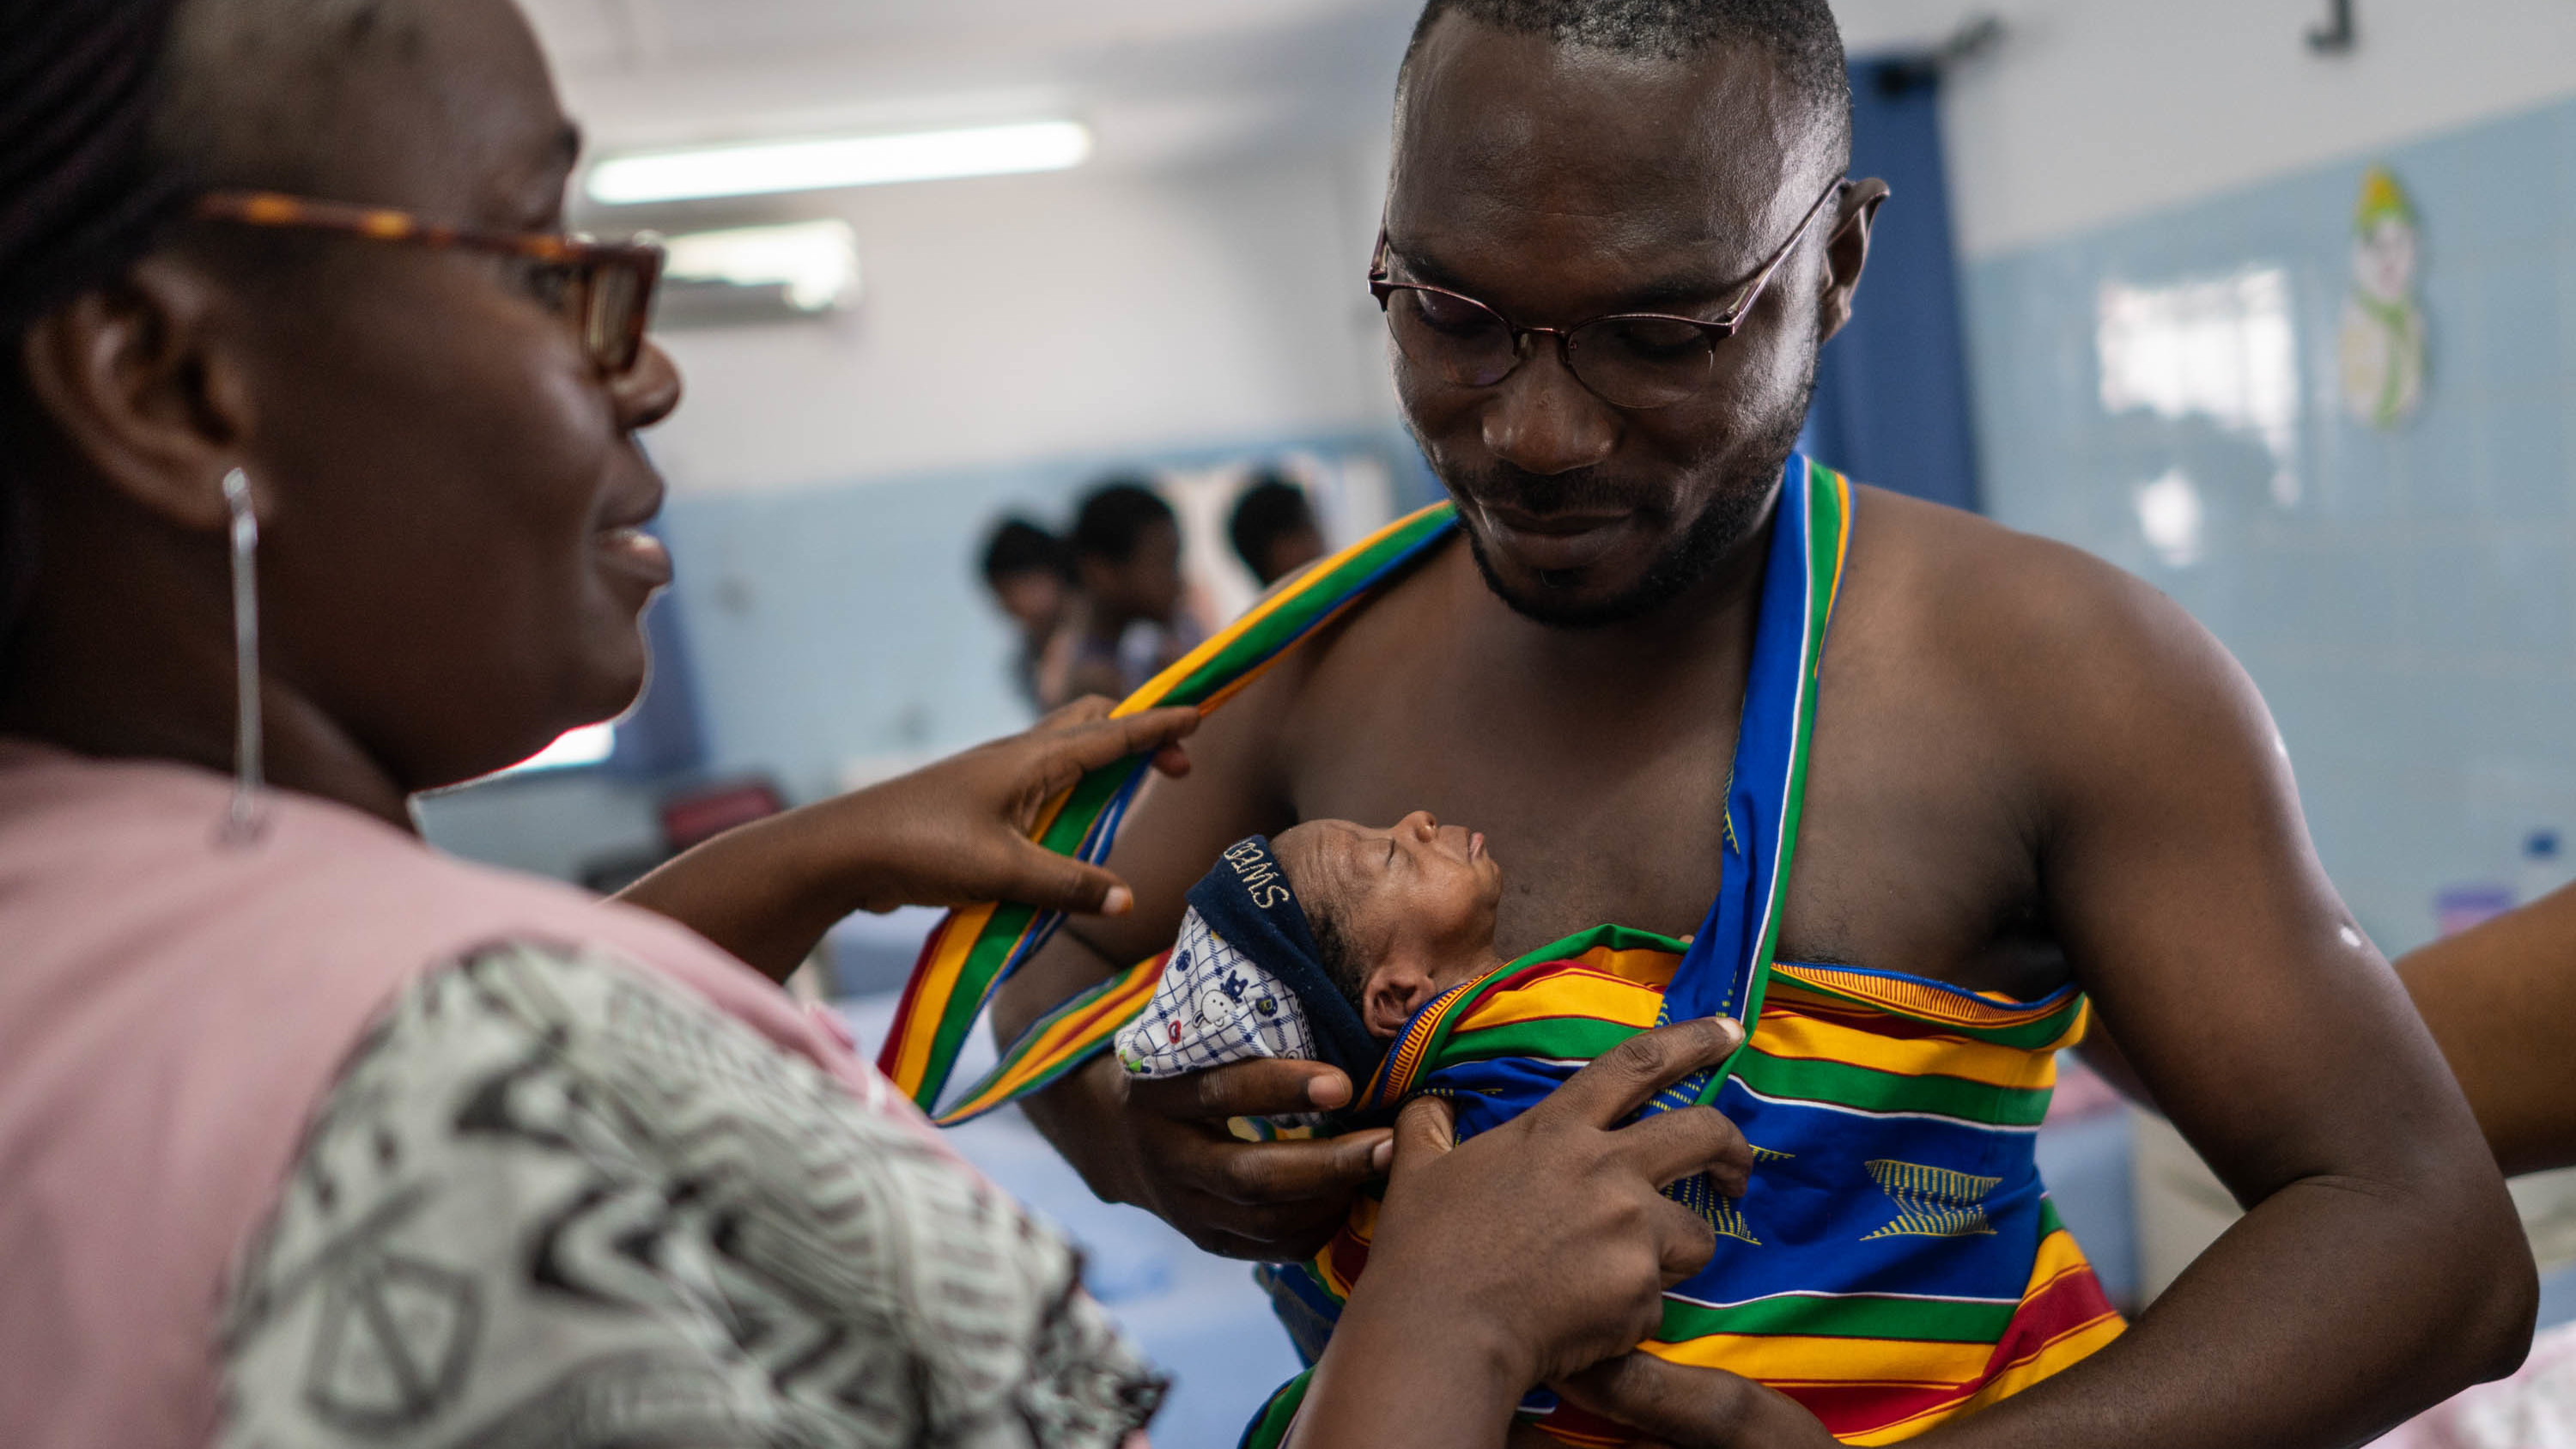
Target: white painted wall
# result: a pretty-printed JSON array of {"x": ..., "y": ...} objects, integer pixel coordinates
[
  {"x": 1080, "y": 313},
  {"x": 2094, "y": 110}
]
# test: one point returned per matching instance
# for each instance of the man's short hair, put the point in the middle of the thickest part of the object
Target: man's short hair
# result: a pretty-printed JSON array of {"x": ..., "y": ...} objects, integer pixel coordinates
[
  {"x": 1800, "y": 36},
  {"x": 1114, "y": 517},
  {"x": 1018, "y": 546},
  {"x": 1269, "y": 510}
]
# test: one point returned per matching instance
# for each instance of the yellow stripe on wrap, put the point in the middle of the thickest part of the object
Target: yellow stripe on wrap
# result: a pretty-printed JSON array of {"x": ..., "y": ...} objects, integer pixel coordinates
[
  {"x": 1119, "y": 1006},
  {"x": 1789, "y": 1360},
  {"x": 1788, "y": 1031},
  {"x": 1585, "y": 994}
]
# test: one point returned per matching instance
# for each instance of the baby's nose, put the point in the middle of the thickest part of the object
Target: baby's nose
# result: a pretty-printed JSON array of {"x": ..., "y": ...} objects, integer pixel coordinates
[{"x": 1423, "y": 823}]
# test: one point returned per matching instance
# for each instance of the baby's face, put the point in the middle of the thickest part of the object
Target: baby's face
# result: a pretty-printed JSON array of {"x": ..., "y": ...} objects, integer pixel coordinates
[{"x": 1415, "y": 900}]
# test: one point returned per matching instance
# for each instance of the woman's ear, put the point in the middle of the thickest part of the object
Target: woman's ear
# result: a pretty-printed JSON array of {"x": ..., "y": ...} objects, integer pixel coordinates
[
  {"x": 1395, "y": 991},
  {"x": 131, "y": 378}
]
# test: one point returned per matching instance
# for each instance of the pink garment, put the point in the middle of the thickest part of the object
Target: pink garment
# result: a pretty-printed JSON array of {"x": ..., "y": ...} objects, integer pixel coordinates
[{"x": 171, "y": 1010}]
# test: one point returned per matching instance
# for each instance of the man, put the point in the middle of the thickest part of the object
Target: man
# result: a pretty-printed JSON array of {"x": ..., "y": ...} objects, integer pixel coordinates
[
  {"x": 2028, "y": 769},
  {"x": 1273, "y": 529}
]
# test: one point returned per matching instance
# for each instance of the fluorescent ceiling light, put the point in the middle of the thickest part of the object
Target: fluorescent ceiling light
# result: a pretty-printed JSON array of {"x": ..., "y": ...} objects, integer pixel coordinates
[
  {"x": 770, "y": 167},
  {"x": 814, "y": 263}
]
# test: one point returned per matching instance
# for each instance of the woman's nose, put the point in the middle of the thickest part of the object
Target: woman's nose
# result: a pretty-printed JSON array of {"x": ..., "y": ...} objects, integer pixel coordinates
[{"x": 648, "y": 392}]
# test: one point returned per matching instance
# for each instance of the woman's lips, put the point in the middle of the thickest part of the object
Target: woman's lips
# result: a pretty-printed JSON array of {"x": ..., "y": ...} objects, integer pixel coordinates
[{"x": 634, "y": 552}]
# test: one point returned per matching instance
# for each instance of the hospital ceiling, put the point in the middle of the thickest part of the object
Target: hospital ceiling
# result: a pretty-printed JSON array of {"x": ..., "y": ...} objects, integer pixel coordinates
[{"x": 1162, "y": 82}]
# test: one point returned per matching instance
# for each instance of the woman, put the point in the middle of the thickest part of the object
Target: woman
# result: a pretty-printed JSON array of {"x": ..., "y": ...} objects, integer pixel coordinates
[{"x": 308, "y": 1136}]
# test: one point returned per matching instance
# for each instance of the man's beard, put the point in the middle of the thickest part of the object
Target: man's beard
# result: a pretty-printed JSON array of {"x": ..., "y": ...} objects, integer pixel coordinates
[{"x": 1734, "y": 509}]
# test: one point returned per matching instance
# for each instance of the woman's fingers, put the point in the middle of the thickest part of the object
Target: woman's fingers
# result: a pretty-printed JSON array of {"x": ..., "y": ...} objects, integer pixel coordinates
[
  {"x": 1425, "y": 1130},
  {"x": 1670, "y": 1146},
  {"x": 1270, "y": 1087},
  {"x": 1061, "y": 883},
  {"x": 1612, "y": 1086},
  {"x": 1684, "y": 1241},
  {"x": 1068, "y": 753}
]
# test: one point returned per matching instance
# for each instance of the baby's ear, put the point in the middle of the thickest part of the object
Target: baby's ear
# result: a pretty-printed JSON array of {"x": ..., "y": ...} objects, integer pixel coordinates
[{"x": 1396, "y": 990}]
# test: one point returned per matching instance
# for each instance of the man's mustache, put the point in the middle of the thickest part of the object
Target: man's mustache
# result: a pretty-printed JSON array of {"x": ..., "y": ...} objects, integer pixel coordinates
[{"x": 1583, "y": 490}]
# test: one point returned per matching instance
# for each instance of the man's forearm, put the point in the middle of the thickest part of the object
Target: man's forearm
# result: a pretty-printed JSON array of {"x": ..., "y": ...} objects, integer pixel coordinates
[{"x": 2333, "y": 1310}]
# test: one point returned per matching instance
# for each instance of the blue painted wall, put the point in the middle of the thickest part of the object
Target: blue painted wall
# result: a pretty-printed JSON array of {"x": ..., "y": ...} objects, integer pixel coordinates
[{"x": 2410, "y": 613}]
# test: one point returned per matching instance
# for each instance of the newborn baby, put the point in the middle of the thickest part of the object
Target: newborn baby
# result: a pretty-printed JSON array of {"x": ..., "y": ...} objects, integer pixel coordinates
[{"x": 1319, "y": 946}]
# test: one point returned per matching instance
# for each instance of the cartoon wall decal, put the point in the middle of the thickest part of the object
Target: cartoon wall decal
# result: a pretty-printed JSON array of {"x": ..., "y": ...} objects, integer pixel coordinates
[{"x": 2383, "y": 322}]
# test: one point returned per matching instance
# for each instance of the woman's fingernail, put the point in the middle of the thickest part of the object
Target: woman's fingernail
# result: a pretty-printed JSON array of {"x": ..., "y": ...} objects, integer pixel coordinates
[
  {"x": 1382, "y": 1156},
  {"x": 1327, "y": 1091},
  {"x": 1118, "y": 902}
]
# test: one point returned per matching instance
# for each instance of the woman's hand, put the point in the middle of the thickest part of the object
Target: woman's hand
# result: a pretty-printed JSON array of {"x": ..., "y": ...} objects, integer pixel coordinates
[
  {"x": 951, "y": 833},
  {"x": 957, "y": 832},
  {"x": 1524, "y": 1255}
]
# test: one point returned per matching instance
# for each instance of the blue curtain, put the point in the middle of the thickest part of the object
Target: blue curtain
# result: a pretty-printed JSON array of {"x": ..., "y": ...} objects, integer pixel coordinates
[{"x": 1891, "y": 404}]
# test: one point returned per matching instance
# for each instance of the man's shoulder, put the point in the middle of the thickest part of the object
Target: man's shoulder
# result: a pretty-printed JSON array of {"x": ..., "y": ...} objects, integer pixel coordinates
[
  {"x": 2043, "y": 636},
  {"x": 1978, "y": 594}
]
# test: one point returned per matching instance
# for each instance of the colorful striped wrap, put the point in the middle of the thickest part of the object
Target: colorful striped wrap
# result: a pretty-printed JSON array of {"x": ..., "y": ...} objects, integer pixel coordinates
[{"x": 1895, "y": 1261}]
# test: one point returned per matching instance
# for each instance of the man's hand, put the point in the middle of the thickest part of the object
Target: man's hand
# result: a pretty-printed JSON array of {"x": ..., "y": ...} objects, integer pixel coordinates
[
  {"x": 1164, "y": 1146},
  {"x": 1692, "y": 1408},
  {"x": 949, "y": 834}
]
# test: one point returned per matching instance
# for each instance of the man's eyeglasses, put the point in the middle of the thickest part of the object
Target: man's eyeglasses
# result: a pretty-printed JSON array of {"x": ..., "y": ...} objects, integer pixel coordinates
[
  {"x": 604, "y": 290},
  {"x": 1636, "y": 360}
]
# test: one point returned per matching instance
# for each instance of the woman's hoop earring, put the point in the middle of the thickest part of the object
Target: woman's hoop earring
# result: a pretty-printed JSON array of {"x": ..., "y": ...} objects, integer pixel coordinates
[{"x": 244, "y": 822}]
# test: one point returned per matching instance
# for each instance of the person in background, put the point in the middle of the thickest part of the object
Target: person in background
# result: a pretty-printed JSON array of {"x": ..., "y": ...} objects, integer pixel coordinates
[
  {"x": 1026, "y": 569},
  {"x": 1273, "y": 528},
  {"x": 1128, "y": 624},
  {"x": 2500, "y": 999},
  {"x": 317, "y": 451}
]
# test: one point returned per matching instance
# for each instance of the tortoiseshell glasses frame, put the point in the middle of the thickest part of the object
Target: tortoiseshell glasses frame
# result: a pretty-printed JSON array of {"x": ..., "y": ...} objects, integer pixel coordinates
[
  {"x": 607, "y": 287},
  {"x": 1638, "y": 361}
]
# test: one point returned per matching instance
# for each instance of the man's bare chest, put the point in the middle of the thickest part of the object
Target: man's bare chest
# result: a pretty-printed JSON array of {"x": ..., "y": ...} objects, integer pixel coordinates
[{"x": 1616, "y": 811}]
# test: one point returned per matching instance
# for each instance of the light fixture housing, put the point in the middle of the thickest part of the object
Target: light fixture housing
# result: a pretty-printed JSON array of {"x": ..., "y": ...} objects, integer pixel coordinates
[
  {"x": 770, "y": 167},
  {"x": 760, "y": 273}
]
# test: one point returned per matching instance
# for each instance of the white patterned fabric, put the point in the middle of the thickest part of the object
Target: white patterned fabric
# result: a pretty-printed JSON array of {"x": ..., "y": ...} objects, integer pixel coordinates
[
  {"x": 1213, "y": 1007},
  {"x": 554, "y": 1202}
]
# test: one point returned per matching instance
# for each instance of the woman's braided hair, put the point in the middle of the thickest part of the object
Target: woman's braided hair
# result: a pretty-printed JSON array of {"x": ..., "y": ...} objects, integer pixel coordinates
[{"x": 83, "y": 192}]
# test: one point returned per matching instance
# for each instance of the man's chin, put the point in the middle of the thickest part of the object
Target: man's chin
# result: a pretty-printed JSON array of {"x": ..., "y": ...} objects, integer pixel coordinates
[{"x": 1603, "y": 593}]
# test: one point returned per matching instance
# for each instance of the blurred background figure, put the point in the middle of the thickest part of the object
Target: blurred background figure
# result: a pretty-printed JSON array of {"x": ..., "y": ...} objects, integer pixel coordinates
[
  {"x": 1273, "y": 528},
  {"x": 1031, "y": 576},
  {"x": 1127, "y": 622}
]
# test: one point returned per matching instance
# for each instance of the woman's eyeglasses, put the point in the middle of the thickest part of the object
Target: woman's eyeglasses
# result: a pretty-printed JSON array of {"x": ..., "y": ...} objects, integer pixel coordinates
[
  {"x": 604, "y": 290},
  {"x": 1638, "y": 360}
]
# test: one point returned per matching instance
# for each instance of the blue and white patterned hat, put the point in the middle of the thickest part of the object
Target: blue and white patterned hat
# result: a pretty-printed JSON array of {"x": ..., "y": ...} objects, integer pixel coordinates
[{"x": 1213, "y": 1007}]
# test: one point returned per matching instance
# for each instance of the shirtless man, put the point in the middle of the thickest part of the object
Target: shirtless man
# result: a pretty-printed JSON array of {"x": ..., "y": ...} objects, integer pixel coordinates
[{"x": 2028, "y": 768}]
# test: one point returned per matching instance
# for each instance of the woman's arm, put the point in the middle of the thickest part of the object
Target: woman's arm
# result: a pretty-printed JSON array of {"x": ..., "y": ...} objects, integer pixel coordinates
[
  {"x": 949, "y": 834},
  {"x": 1522, "y": 1255}
]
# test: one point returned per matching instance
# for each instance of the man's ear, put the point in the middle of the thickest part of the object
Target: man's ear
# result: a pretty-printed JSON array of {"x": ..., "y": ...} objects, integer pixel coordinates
[
  {"x": 133, "y": 379},
  {"x": 1395, "y": 991},
  {"x": 1847, "y": 252}
]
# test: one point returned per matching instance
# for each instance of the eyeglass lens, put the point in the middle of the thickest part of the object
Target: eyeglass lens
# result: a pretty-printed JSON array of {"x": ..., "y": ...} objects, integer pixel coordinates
[
  {"x": 1634, "y": 362},
  {"x": 613, "y": 296}
]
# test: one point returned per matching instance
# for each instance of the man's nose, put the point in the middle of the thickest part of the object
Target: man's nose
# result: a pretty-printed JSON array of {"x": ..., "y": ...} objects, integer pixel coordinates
[{"x": 1543, "y": 421}]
